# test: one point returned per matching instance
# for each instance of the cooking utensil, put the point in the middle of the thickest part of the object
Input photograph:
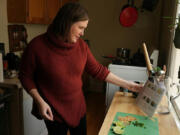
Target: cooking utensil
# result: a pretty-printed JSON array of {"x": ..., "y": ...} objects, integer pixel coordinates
[
  {"x": 156, "y": 79},
  {"x": 128, "y": 15},
  {"x": 149, "y": 66},
  {"x": 138, "y": 59},
  {"x": 123, "y": 53},
  {"x": 149, "y": 5},
  {"x": 148, "y": 63}
]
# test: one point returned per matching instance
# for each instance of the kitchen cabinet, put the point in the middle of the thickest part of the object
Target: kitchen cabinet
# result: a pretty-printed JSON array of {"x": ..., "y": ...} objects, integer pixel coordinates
[
  {"x": 33, "y": 11},
  {"x": 14, "y": 109},
  {"x": 131, "y": 73}
]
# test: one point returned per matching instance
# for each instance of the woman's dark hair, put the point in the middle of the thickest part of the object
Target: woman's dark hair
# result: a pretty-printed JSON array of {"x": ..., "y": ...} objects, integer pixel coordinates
[{"x": 67, "y": 15}]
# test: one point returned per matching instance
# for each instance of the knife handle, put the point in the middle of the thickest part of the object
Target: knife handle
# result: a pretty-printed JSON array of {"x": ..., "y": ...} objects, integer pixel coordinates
[{"x": 148, "y": 63}]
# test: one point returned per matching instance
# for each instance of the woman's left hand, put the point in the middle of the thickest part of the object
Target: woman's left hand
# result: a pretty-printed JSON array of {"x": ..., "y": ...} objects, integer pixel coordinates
[
  {"x": 112, "y": 78},
  {"x": 135, "y": 87}
]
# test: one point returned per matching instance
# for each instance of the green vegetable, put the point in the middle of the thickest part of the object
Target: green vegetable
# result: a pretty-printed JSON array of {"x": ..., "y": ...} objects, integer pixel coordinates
[
  {"x": 157, "y": 69},
  {"x": 138, "y": 124},
  {"x": 119, "y": 123},
  {"x": 118, "y": 130}
]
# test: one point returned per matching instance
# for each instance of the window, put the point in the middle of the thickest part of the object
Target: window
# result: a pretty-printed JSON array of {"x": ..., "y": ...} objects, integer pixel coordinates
[{"x": 174, "y": 91}]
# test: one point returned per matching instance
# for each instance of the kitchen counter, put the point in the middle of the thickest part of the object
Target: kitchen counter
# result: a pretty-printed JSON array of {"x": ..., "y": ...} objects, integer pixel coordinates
[
  {"x": 14, "y": 82},
  {"x": 126, "y": 104}
]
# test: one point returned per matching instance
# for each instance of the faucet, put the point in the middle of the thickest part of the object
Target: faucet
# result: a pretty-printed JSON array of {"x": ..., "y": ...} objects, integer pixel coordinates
[{"x": 178, "y": 87}]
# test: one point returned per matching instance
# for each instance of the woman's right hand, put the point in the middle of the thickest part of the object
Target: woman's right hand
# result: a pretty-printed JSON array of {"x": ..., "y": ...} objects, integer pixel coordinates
[{"x": 45, "y": 111}]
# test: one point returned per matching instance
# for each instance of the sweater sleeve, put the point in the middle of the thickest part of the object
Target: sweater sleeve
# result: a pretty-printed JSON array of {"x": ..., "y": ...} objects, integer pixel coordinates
[
  {"x": 27, "y": 69},
  {"x": 94, "y": 68}
]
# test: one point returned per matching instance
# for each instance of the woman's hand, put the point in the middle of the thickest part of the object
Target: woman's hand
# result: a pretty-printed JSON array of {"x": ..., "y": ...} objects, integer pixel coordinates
[
  {"x": 134, "y": 87},
  {"x": 45, "y": 111},
  {"x": 112, "y": 78}
]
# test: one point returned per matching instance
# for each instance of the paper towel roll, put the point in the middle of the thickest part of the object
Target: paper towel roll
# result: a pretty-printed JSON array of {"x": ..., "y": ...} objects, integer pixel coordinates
[{"x": 1, "y": 68}]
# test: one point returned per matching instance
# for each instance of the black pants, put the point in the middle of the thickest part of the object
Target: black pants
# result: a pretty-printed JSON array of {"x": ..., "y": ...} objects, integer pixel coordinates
[{"x": 56, "y": 128}]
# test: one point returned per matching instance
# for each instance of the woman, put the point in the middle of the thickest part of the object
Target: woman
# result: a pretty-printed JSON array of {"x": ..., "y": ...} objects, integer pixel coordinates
[{"x": 51, "y": 70}]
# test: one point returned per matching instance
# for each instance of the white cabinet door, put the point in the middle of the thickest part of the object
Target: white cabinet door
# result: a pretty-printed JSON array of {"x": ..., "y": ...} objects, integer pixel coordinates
[
  {"x": 110, "y": 90},
  {"x": 32, "y": 126}
]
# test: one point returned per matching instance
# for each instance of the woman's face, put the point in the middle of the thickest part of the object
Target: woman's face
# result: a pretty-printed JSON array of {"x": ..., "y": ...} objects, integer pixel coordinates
[{"x": 76, "y": 31}]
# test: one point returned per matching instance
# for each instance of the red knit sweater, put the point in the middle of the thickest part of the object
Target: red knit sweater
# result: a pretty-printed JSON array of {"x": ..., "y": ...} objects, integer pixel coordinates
[{"x": 55, "y": 68}]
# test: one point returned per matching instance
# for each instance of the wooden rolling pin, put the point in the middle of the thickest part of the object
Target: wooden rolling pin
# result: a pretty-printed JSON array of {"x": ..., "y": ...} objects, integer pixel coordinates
[{"x": 148, "y": 63}]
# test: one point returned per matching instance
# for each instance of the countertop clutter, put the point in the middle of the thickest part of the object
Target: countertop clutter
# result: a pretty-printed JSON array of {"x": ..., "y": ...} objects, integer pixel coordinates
[
  {"x": 11, "y": 64},
  {"x": 126, "y": 104}
]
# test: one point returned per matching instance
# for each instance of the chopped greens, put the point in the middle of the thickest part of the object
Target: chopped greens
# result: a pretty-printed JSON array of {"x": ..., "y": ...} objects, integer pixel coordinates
[
  {"x": 138, "y": 124},
  {"x": 119, "y": 124},
  {"x": 118, "y": 130},
  {"x": 122, "y": 122}
]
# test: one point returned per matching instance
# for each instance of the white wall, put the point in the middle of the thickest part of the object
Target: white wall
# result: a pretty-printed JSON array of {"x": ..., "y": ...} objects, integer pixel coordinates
[{"x": 106, "y": 34}]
